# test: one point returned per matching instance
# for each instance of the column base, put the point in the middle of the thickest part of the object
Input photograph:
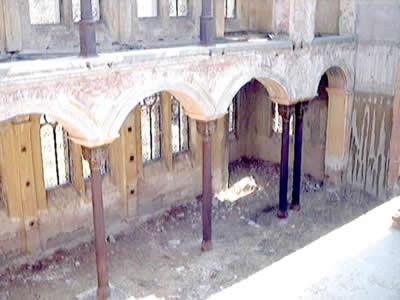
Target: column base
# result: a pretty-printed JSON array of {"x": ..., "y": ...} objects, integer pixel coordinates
[
  {"x": 206, "y": 246},
  {"x": 282, "y": 214},
  {"x": 207, "y": 30},
  {"x": 114, "y": 294},
  {"x": 295, "y": 207},
  {"x": 103, "y": 292}
]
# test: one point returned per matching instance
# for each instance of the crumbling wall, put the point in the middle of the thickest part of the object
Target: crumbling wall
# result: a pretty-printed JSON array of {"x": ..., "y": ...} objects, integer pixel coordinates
[
  {"x": 371, "y": 126},
  {"x": 372, "y": 112}
]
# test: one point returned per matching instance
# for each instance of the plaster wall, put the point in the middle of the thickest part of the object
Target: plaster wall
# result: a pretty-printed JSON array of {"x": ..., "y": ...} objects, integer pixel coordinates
[
  {"x": 282, "y": 14},
  {"x": 378, "y": 21},
  {"x": 327, "y": 16},
  {"x": 257, "y": 15},
  {"x": 372, "y": 117}
]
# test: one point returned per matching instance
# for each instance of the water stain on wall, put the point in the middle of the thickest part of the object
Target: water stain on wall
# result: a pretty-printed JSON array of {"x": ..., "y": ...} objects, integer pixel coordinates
[{"x": 371, "y": 126}]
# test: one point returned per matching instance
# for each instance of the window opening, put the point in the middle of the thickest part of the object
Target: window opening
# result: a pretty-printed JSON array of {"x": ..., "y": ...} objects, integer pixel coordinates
[
  {"x": 180, "y": 127},
  {"x": 151, "y": 128},
  {"x": 147, "y": 8},
  {"x": 44, "y": 12},
  {"x": 233, "y": 113},
  {"x": 76, "y": 10},
  {"x": 55, "y": 153},
  {"x": 230, "y": 9},
  {"x": 178, "y": 8}
]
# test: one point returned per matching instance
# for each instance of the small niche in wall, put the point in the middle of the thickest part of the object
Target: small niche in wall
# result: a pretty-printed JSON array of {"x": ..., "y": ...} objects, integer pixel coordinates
[
  {"x": 44, "y": 12},
  {"x": 327, "y": 17}
]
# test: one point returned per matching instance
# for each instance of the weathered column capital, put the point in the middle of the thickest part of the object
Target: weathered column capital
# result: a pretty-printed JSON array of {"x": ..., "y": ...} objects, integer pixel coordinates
[
  {"x": 95, "y": 156},
  {"x": 285, "y": 111},
  {"x": 301, "y": 108},
  {"x": 206, "y": 128}
]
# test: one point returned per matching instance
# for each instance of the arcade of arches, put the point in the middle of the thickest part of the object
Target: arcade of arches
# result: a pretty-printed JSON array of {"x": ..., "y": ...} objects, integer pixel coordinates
[{"x": 119, "y": 137}]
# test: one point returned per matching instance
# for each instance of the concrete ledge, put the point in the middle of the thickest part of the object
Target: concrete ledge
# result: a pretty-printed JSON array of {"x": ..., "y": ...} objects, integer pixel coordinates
[
  {"x": 333, "y": 39},
  {"x": 357, "y": 261},
  {"x": 14, "y": 70}
]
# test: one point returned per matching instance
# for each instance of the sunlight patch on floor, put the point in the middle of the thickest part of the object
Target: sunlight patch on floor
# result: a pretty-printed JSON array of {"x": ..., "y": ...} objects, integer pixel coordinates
[{"x": 240, "y": 189}]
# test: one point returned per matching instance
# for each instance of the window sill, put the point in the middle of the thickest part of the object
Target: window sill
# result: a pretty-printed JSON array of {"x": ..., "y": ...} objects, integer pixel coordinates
[{"x": 153, "y": 18}]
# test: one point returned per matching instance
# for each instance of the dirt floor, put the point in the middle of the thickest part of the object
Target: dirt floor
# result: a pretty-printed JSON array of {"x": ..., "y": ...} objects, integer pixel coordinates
[{"x": 162, "y": 257}]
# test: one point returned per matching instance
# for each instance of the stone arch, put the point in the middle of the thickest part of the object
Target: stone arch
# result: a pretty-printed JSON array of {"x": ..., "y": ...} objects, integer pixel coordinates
[
  {"x": 339, "y": 74},
  {"x": 276, "y": 86},
  {"x": 70, "y": 114},
  {"x": 194, "y": 99},
  {"x": 336, "y": 131}
]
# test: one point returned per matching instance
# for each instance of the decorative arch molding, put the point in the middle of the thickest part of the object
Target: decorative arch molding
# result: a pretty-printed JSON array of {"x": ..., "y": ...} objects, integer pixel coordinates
[
  {"x": 337, "y": 126},
  {"x": 70, "y": 114},
  {"x": 196, "y": 102},
  {"x": 344, "y": 79},
  {"x": 277, "y": 87}
]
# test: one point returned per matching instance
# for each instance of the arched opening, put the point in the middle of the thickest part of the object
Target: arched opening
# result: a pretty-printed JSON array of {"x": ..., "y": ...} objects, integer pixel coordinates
[
  {"x": 196, "y": 102},
  {"x": 158, "y": 142},
  {"x": 41, "y": 170},
  {"x": 326, "y": 130},
  {"x": 254, "y": 144}
]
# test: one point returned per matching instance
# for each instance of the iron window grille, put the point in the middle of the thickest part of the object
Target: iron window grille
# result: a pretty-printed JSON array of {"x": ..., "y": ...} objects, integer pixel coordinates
[
  {"x": 180, "y": 127},
  {"x": 151, "y": 128},
  {"x": 55, "y": 153},
  {"x": 178, "y": 8}
]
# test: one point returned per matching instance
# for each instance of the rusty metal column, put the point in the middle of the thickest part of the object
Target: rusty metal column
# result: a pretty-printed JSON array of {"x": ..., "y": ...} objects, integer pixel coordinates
[
  {"x": 206, "y": 129},
  {"x": 94, "y": 156},
  {"x": 285, "y": 112},
  {"x": 298, "y": 149},
  {"x": 208, "y": 27},
  {"x": 87, "y": 30}
]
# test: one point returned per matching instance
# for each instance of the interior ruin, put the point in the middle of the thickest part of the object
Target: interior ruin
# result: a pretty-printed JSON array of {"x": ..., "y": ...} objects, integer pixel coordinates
[{"x": 113, "y": 112}]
